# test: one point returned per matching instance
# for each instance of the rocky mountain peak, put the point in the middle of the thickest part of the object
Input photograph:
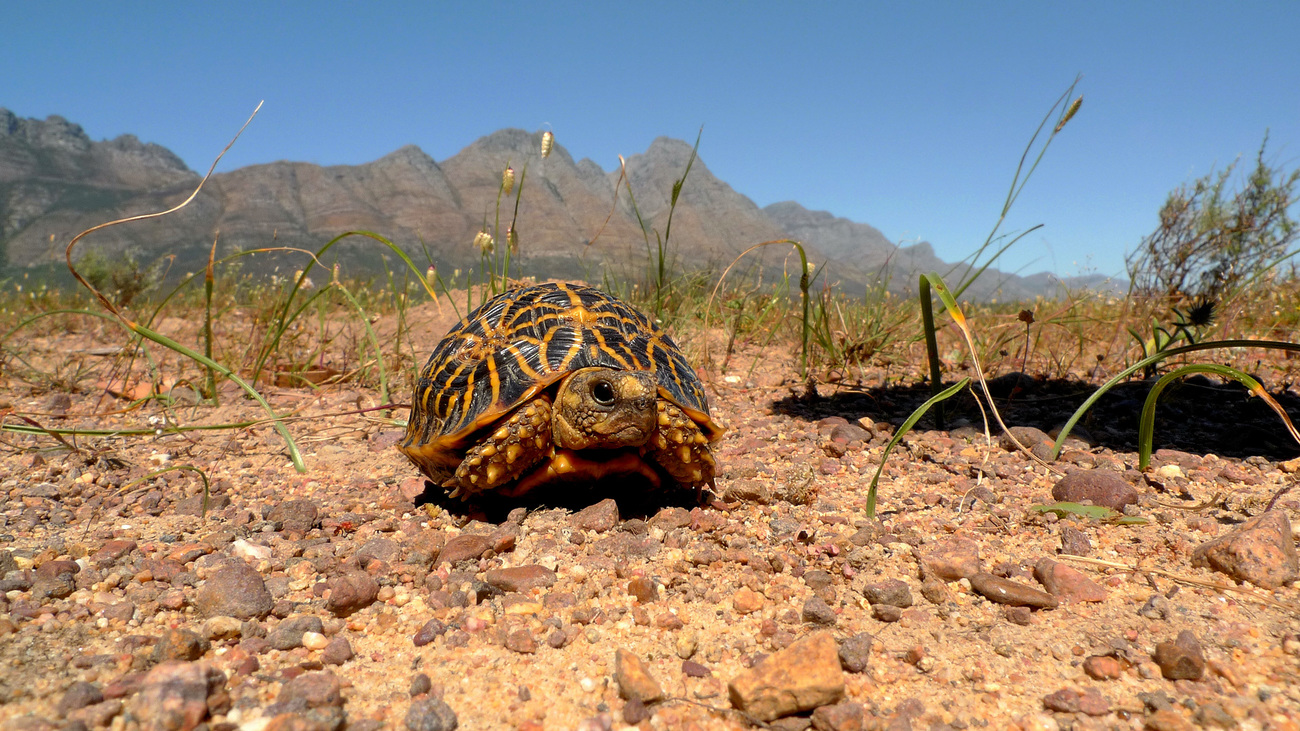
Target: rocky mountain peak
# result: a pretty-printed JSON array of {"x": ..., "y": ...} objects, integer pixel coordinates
[{"x": 54, "y": 132}]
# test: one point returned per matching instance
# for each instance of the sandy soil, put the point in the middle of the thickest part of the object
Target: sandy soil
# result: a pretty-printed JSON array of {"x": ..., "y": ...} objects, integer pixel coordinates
[{"x": 348, "y": 596}]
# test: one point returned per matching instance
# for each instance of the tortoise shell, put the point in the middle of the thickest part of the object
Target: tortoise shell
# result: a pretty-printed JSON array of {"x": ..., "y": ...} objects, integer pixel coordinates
[{"x": 521, "y": 342}]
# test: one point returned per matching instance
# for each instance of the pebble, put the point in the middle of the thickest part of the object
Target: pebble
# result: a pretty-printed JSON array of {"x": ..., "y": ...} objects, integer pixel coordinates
[
  {"x": 431, "y": 714},
  {"x": 179, "y": 644},
  {"x": 178, "y": 695},
  {"x": 313, "y": 689},
  {"x": 289, "y": 633},
  {"x": 521, "y": 578},
  {"x": 429, "y": 632},
  {"x": 1181, "y": 659},
  {"x": 634, "y": 712},
  {"x": 111, "y": 552},
  {"x": 601, "y": 517},
  {"x": 314, "y": 640},
  {"x": 855, "y": 652},
  {"x": 235, "y": 590},
  {"x": 521, "y": 641},
  {"x": 79, "y": 695},
  {"x": 952, "y": 559},
  {"x": 1099, "y": 486},
  {"x": 803, "y": 676},
  {"x": 245, "y": 551},
  {"x": 1166, "y": 719},
  {"x": 892, "y": 592},
  {"x": 294, "y": 516},
  {"x": 1006, "y": 591},
  {"x": 1068, "y": 700},
  {"x": 746, "y": 601},
  {"x": 847, "y": 716},
  {"x": 350, "y": 592},
  {"x": 634, "y": 678},
  {"x": 1102, "y": 667},
  {"x": 1261, "y": 551},
  {"x": 1066, "y": 583},
  {"x": 817, "y": 611},
  {"x": 463, "y": 547},
  {"x": 1074, "y": 541},
  {"x": 935, "y": 590},
  {"x": 337, "y": 652},
  {"x": 644, "y": 590},
  {"x": 1033, "y": 439},
  {"x": 886, "y": 612}
]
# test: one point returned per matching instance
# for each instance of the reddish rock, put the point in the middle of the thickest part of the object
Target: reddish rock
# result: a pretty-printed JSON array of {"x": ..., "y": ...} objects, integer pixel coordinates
[
  {"x": 110, "y": 552},
  {"x": 464, "y": 547},
  {"x": 1005, "y": 591},
  {"x": 1102, "y": 667},
  {"x": 1181, "y": 659},
  {"x": 235, "y": 590},
  {"x": 351, "y": 592},
  {"x": 520, "y": 578},
  {"x": 643, "y": 589},
  {"x": 1261, "y": 551},
  {"x": 803, "y": 676},
  {"x": 1100, "y": 487},
  {"x": 521, "y": 641},
  {"x": 1066, "y": 583},
  {"x": 600, "y": 517},
  {"x": 952, "y": 559},
  {"x": 634, "y": 678},
  {"x": 178, "y": 696}
]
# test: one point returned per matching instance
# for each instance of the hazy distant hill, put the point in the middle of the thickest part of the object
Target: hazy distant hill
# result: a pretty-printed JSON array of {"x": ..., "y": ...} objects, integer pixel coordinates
[{"x": 55, "y": 181}]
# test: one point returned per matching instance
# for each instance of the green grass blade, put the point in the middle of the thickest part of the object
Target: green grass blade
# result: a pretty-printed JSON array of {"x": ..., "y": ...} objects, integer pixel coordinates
[{"x": 944, "y": 395}]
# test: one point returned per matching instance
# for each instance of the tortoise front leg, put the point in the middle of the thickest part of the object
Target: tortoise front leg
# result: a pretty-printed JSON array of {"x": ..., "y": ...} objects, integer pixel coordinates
[
  {"x": 510, "y": 451},
  {"x": 680, "y": 448}
]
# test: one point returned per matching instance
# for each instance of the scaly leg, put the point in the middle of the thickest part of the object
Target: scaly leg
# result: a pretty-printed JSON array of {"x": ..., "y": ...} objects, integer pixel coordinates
[{"x": 518, "y": 444}]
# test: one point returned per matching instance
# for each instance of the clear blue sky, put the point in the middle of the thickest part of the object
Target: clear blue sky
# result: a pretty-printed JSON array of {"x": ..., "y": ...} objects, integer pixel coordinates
[{"x": 907, "y": 116}]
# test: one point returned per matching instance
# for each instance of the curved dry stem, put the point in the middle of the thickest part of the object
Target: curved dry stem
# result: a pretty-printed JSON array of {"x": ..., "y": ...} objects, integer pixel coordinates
[{"x": 708, "y": 306}]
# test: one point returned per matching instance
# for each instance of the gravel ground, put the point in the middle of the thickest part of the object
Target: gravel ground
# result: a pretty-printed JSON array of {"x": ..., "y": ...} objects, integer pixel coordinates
[{"x": 349, "y": 597}]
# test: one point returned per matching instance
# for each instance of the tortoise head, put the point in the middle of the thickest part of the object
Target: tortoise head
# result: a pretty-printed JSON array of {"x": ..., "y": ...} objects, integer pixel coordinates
[{"x": 605, "y": 408}]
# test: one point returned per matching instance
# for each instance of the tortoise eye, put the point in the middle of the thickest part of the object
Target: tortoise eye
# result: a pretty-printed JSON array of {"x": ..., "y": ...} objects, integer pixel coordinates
[{"x": 603, "y": 393}]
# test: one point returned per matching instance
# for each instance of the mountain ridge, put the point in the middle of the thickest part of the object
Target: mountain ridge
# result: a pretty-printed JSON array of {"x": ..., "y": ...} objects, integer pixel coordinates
[{"x": 55, "y": 181}]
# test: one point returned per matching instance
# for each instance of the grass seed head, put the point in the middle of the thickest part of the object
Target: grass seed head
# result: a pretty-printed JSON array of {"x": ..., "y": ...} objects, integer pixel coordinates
[
  {"x": 1069, "y": 114},
  {"x": 508, "y": 180},
  {"x": 484, "y": 242},
  {"x": 548, "y": 141},
  {"x": 512, "y": 239}
]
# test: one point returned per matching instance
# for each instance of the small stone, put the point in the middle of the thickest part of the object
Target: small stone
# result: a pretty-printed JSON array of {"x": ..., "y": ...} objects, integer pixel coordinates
[
  {"x": 803, "y": 676},
  {"x": 935, "y": 590},
  {"x": 886, "y": 612},
  {"x": 1212, "y": 715},
  {"x": 521, "y": 641},
  {"x": 557, "y": 639},
  {"x": 817, "y": 611},
  {"x": 178, "y": 695},
  {"x": 111, "y": 552},
  {"x": 1068, "y": 700},
  {"x": 1022, "y": 616},
  {"x": 464, "y": 547},
  {"x": 221, "y": 628},
  {"x": 643, "y": 589},
  {"x": 601, "y": 517},
  {"x": 1156, "y": 607},
  {"x": 520, "y": 578},
  {"x": 288, "y": 634},
  {"x": 634, "y": 712},
  {"x": 847, "y": 716},
  {"x": 1033, "y": 439},
  {"x": 634, "y": 678},
  {"x": 420, "y": 684},
  {"x": 431, "y": 630},
  {"x": 692, "y": 669},
  {"x": 294, "y": 516},
  {"x": 350, "y": 592},
  {"x": 431, "y": 714},
  {"x": 1006, "y": 591},
  {"x": 952, "y": 559},
  {"x": 314, "y": 640},
  {"x": 1100, "y": 487},
  {"x": 179, "y": 644},
  {"x": 1181, "y": 659},
  {"x": 79, "y": 695},
  {"x": 337, "y": 652},
  {"x": 314, "y": 690},
  {"x": 1102, "y": 667},
  {"x": 1066, "y": 583},
  {"x": 55, "y": 580},
  {"x": 235, "y": 590},
  {"x": 855, "y": 652},
  {"x": 746, "y": 601},
  {"x": 1074, "y": 541},
  {"x": 1166, "y": 719},
  {"x": 892, "y": 592},
  {"x": 1261, "y": 551}
]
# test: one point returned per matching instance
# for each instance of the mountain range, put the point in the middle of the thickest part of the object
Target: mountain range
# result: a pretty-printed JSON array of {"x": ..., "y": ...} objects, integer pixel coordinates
[{"x": 55, "y": 182}]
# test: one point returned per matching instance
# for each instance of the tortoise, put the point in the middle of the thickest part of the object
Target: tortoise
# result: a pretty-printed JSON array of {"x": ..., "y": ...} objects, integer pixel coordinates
[{"x": 555, "y": 383}]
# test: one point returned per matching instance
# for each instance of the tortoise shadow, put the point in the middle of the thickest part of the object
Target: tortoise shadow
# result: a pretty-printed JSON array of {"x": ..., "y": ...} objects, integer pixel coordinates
[
  {"x": 1198, "y": 415},
  {"x": 636, "y": 498}
]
